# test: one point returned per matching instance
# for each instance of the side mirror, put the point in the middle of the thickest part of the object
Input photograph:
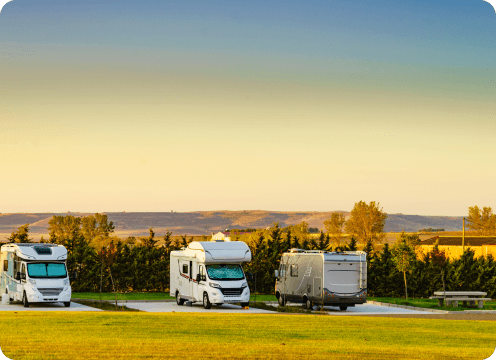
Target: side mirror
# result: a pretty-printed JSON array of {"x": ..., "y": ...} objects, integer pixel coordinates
[
  {"x": 73, "y": 276},
  {"x": 17, "y": 276},
  {"x": 249, "y": 276},
  {"x": 276, "y": 273},
  {"x": 22, "y": 276},
  {"x": 198, "y": 278}
]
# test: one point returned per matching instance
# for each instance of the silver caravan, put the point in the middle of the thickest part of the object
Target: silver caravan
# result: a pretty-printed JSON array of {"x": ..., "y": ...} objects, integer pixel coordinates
[
  {"x": 315, "y": 277},
  {"x": 35, "y": 273},
  {"x": 210, "y": 271}
]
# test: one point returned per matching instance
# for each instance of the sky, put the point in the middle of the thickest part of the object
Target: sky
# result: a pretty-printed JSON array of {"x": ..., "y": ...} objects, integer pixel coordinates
[{"x": 148, "y": 106}]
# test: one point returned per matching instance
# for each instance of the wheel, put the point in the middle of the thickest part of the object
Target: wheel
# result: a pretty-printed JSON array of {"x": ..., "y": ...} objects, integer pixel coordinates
[
  {"x": 206, "y": 303},
  {"x": 309, "y": 304},
  {"x": 179, "y": 301},
  {"x": 244, "y": 304},
  {"x": 25, "y": 301},
  {"x": 282, "y": 300},
  {"x": 67, "y": 304},
  {"x": 343, "y": 307}
]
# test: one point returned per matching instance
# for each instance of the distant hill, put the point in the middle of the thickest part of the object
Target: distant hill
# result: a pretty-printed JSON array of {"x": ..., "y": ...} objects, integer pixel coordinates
[{"x": 207, "y": 222}]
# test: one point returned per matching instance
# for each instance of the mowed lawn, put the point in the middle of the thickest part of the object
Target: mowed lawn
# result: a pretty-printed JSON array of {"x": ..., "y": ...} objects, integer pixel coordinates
[
  {"x": 149, "y": 296},
  {"x": 78, "y": 335}
]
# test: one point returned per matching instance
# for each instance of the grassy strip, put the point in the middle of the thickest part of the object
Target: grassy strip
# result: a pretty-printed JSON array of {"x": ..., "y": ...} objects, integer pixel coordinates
[
  {"x": 122, "y": 335},
  {"x": 147, "y": 296},
  {"x": 285, "y": 309},
  {"x": 431, "y": 304},
  {"x": 104, "y": 305},
  {"x": 127, "y": 296}
]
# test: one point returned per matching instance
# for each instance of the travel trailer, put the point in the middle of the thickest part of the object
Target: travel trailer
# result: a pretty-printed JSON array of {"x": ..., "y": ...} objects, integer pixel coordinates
[
  {"x": 319, "y": 277},
  {"x": 211, "y": 272},
  {"x": 35, "y": 273}
]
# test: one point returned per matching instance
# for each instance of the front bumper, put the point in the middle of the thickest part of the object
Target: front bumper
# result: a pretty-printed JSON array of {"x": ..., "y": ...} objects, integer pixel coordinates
[
  {"x": 217, "y": 297},
  {"x": 34, "y": 296}
]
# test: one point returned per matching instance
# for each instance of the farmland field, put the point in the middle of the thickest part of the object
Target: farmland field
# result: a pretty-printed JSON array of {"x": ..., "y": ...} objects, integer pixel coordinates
[{"x": 240, "y": 336}]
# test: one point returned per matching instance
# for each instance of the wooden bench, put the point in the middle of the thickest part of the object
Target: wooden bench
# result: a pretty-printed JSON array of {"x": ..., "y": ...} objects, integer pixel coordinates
[{"x": 453, "y": 297}]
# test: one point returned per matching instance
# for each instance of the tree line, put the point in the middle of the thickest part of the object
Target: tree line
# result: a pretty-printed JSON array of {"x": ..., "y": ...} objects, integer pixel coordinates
[{"x": 103, "y": 262}]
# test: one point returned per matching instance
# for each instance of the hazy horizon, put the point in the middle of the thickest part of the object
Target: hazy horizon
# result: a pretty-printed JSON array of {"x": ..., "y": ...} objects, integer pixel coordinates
[{"x": 290, "y": 105}]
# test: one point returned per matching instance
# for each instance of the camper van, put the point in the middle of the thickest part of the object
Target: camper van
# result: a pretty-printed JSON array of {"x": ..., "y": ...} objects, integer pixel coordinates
[
  {"x": 35, "y": 273},
  {"x": 320, "y": 277},
  {"x": 211, "y": 272}
]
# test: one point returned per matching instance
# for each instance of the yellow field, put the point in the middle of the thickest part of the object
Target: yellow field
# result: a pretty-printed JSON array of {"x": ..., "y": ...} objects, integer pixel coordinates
[{"x": 78, "y": 335}]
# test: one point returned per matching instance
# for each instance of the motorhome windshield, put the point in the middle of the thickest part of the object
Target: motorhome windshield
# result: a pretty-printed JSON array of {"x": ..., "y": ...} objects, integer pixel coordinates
[
  {"x": 47, "y": 270},
  {"x": 225, "y": 272}
]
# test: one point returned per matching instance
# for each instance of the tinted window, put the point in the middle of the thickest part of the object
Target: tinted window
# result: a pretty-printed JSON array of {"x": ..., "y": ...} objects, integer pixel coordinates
[
  {"x": 294, "y": 270},
  {"x": 185, "y": 268},
  {"x": 5, "y": 265}
]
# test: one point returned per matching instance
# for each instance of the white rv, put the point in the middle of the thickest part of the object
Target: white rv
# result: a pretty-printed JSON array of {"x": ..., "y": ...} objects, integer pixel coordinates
[
  {"x": 210, "y": 271},
  {"x": 35, "y": 273},
  {"x": 319, "y": 277}
]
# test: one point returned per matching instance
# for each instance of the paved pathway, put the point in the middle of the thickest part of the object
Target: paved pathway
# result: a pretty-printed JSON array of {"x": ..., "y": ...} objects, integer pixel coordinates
[
  {"x": 171, "y": 306},
  {"x": 365, "y": 309},
  {"x": 46, "y": 307}
]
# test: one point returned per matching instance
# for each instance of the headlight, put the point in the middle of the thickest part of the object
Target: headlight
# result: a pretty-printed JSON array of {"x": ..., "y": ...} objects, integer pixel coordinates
[
  {"x": 217, "y": 286},
  {"x": 245, "y": 284},
  {"x": 66, "y": 282},
  {"x": 31, "y": 282}
]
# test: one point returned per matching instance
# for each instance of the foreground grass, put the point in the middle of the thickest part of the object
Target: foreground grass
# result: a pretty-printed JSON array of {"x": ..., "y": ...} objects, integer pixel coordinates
[
  {"x": 431, "y": 304},
  {"x": 147, "y": 296},
  {"x": 120, "y": 335}
]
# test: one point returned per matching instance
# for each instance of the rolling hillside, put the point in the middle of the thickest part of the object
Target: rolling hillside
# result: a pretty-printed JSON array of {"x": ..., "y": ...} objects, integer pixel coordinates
[{"x": 206, "y": 222}]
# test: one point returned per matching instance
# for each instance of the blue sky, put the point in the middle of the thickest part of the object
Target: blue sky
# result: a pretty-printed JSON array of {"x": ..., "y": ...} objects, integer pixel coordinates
[{"x": 319, "y": 103}]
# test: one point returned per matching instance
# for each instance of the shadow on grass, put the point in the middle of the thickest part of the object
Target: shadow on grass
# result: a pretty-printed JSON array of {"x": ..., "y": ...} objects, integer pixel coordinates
[
  {"x": 104, "y": 305},
  {"x": 285, "y": 309}
]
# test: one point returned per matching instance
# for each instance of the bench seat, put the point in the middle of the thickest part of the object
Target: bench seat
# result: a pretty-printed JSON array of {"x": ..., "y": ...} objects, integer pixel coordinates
[{"x": 465, "y": 299}]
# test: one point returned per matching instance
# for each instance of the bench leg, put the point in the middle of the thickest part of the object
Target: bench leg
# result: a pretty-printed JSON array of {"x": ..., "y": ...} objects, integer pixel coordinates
[
  {"x": 480, "y": 304},
  {"x": 448, "y": 302},
  {"x": 455, "y": 303}
]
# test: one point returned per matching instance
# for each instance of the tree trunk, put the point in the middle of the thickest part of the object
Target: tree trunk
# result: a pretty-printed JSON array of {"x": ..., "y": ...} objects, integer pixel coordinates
[
  {"x": 444, "y": 287},
  {"x": 113, "y": 286},
  {"x": 101, "y": 281},
  {"x": 406, "y": 290}
]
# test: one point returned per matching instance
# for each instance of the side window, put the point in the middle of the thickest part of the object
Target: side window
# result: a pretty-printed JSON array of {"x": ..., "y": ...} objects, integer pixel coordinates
[
  {"x": 5, "y": 265},
  {"x": 23, "y": 269},
  {"x": 294, "y": 270},
  {"x": 201, "y": 271},
  {"x": 185, "y": 268},
  {"x": 282, "y": 270}
]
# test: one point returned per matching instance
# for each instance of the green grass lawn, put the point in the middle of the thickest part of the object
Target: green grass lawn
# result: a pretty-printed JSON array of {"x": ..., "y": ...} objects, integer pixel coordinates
[
  {"x": 432, "y": 304},
  {"x": 147, "y": 296},
  {"x": 124, "y": 335}
]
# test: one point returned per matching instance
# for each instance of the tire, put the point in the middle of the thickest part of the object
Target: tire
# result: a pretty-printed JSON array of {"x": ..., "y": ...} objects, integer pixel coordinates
[
  {"x": 245, "y": 304},
  {"x": 179, "y": 301},
  {"x": 309, "y": 304},
  {"x": 25, "y": 301},
  {"x": 282, "y": 300},
  {"x": 67, "y": 304},
  {"x": 206, "y": 302},
  {"x": 343, "y": 307}
]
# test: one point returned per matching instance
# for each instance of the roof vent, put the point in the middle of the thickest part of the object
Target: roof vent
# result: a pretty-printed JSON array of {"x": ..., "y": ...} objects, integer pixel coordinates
[{"x": 43, "y": 250}]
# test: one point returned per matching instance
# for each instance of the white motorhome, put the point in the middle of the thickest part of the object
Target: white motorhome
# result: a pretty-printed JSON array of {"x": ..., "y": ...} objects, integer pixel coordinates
[
  {"x": 211, "y": 272},
  {"x": 320, "y": 277},
  {"x": 35, "y": 273}
]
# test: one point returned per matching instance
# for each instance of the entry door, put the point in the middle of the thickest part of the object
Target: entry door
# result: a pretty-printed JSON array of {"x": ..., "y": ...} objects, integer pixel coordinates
[{"x": 317, "y": 286}]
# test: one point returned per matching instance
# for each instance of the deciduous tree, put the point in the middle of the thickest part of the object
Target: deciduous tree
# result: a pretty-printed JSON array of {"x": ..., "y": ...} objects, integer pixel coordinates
[
  {"x": 335, "y": 227},
  {"x": 482, "y": 221},
  {"x": 367, "y": 222}
]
